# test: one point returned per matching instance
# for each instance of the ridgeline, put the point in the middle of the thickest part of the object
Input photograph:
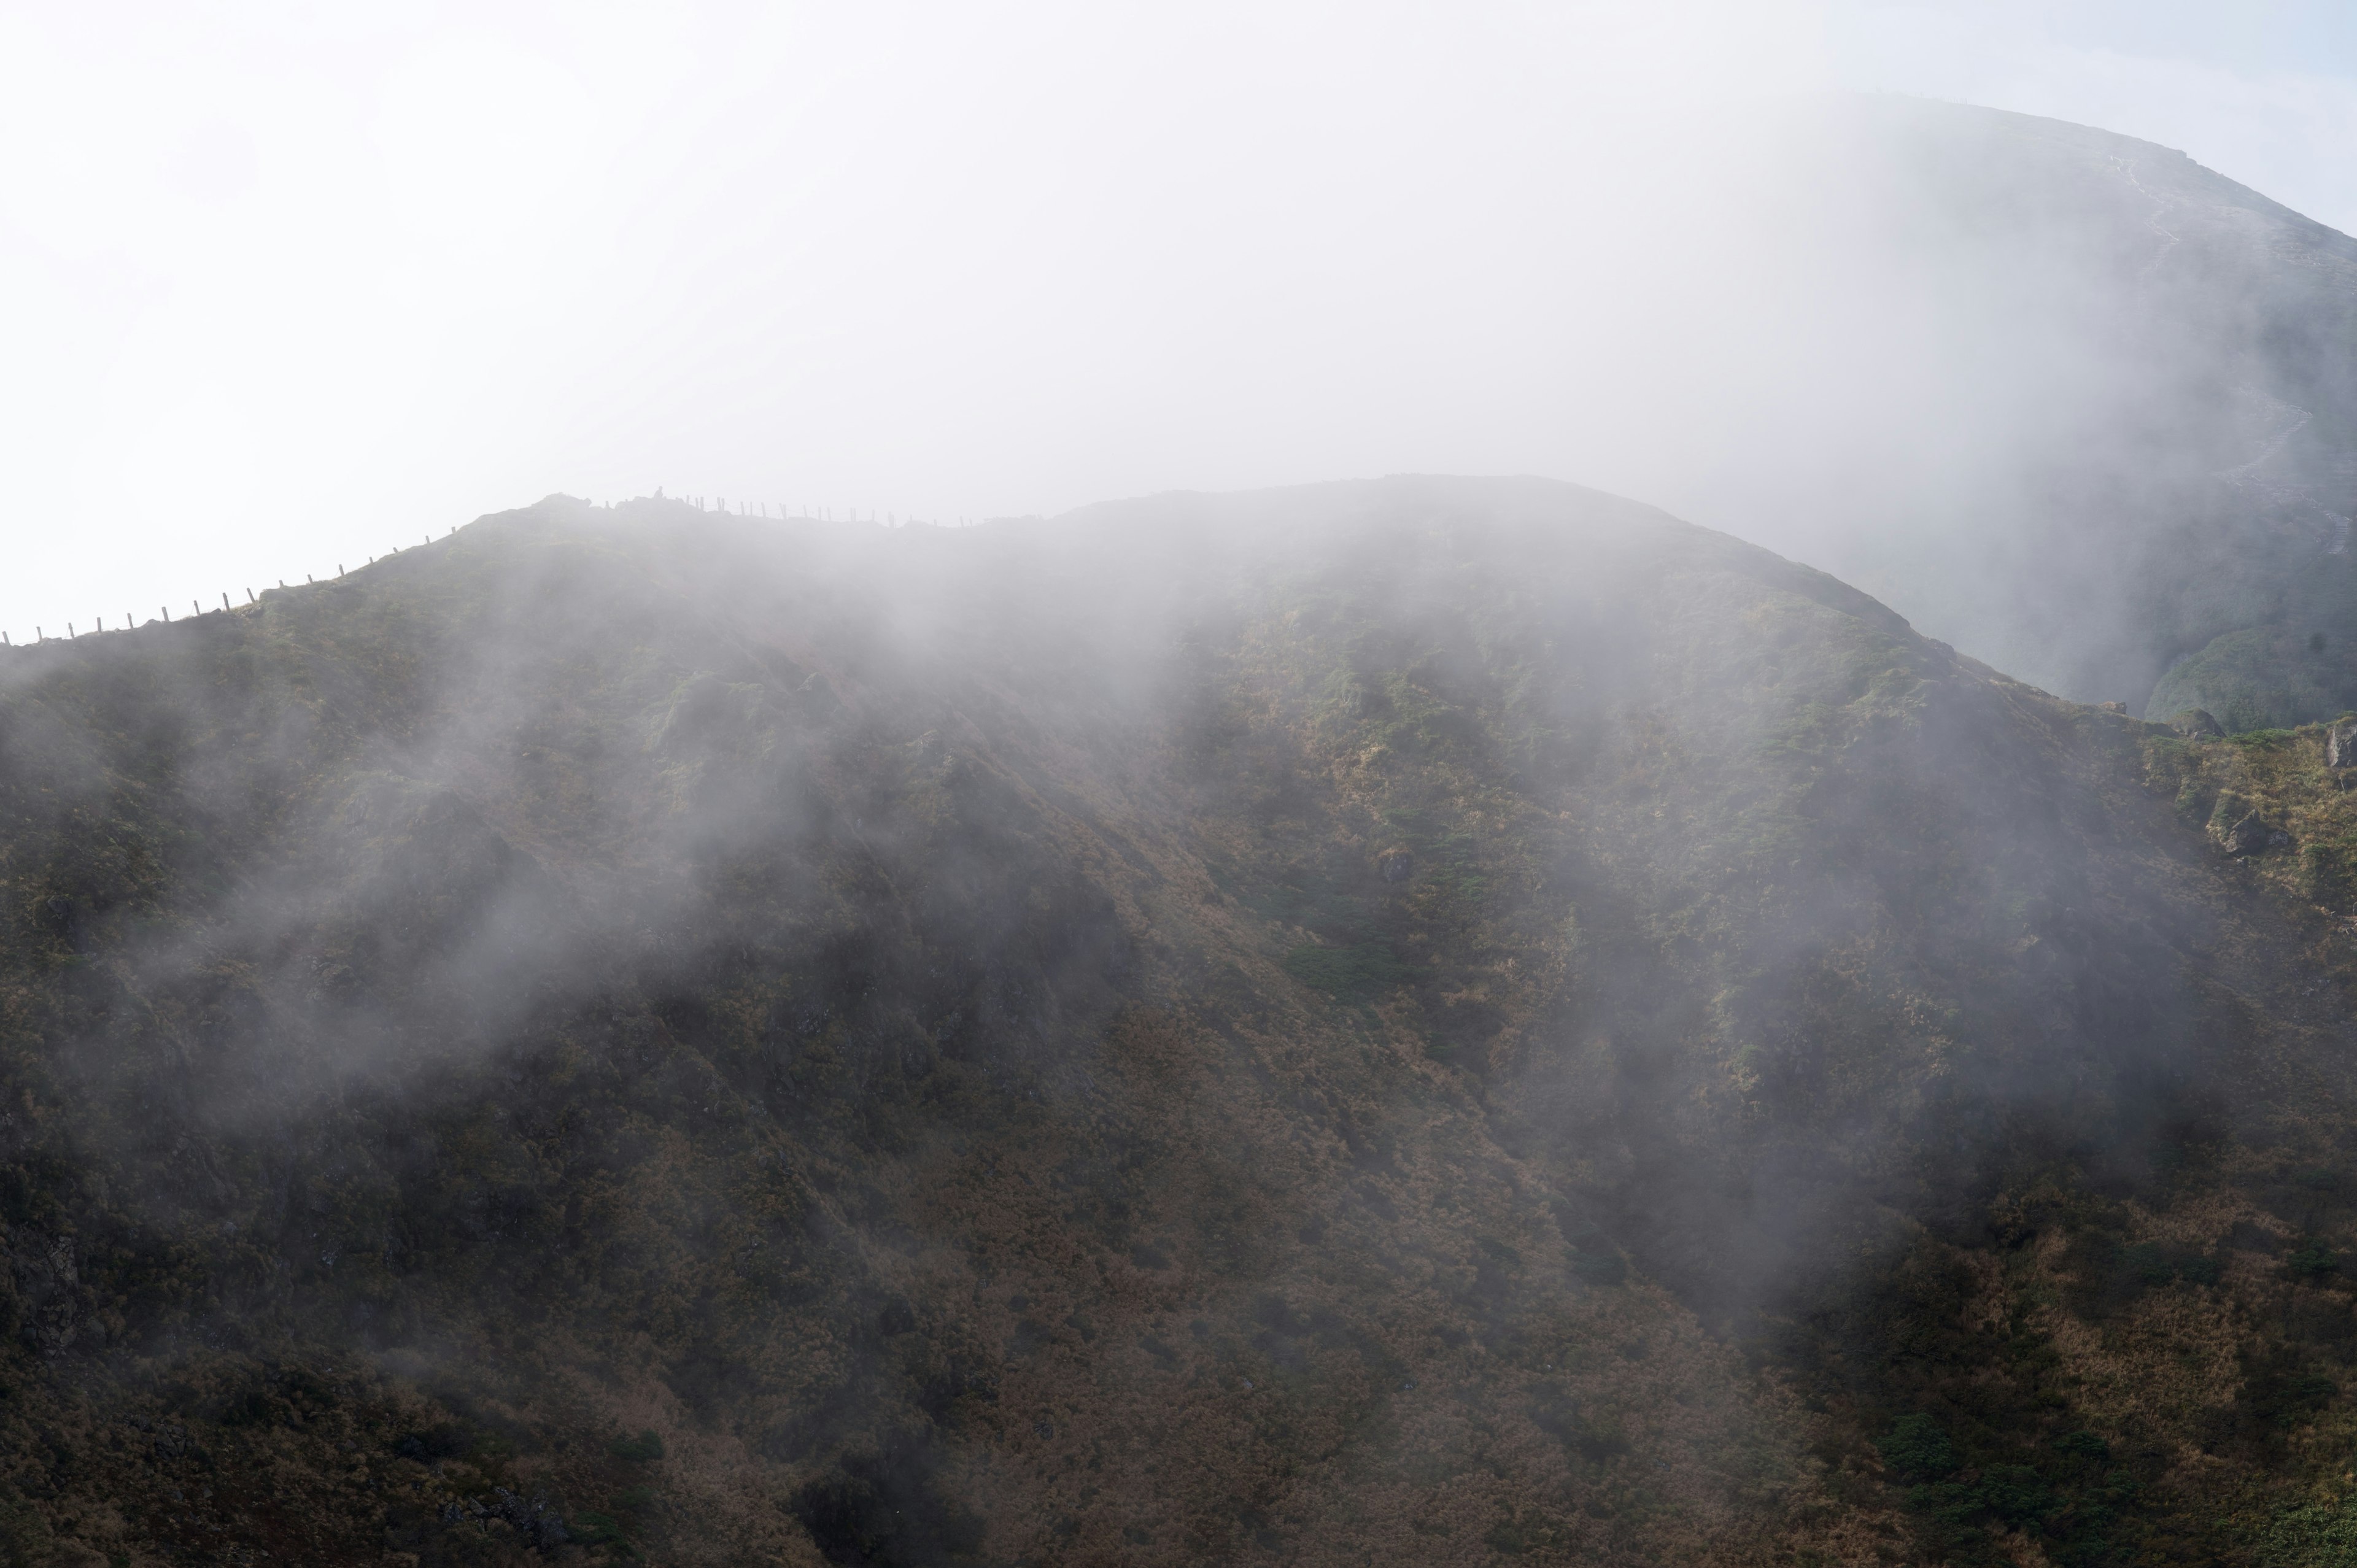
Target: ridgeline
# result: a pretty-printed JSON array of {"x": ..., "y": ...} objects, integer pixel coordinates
[{"x": 1433, "y": 1020}]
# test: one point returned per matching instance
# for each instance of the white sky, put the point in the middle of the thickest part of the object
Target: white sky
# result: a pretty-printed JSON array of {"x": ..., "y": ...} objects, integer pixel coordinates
[{"x": 282, "y": 287}]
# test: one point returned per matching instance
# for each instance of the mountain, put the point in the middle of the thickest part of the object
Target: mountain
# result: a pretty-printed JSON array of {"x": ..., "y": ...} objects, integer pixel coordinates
[
  {"x": 2100, "y": 406},
  {"x": 1429, "y": 1020}
]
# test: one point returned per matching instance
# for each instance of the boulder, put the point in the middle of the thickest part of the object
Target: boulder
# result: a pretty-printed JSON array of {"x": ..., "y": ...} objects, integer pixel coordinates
[
  {"x": 2248, "y": 836},
  {"x": 2195, "y": 723}
]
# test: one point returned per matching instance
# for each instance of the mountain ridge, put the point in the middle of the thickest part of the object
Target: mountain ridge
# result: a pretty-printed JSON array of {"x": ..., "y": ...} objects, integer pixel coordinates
[
  {"x": 2083, "y": 409},
  {"x": 1425, "y": 1018}
]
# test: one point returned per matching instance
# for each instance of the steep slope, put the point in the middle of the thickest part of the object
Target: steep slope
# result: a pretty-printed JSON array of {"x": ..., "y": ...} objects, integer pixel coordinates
[
  {"x": 2120, "y": 452},
  {"x": 1422, "y": 1021}
]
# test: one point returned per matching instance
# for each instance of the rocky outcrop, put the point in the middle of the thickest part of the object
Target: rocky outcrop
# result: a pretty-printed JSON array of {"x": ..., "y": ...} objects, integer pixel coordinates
[{"x": 2248, "y": 835}]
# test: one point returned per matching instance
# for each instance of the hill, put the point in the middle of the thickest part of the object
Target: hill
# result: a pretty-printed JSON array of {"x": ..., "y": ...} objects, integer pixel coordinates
[
  {"x": 1430, "y": 1020},
  {"x": 2070, "y": 401}
]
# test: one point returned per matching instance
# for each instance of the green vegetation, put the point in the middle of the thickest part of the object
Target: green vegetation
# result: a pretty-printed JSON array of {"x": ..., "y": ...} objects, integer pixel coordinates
[
  {"x": 644, "y": 1449},
  {"x": 2265, "y": 676},
  {"x": 520, "y": 1043},
  {"x": 1357, "y": 974}
]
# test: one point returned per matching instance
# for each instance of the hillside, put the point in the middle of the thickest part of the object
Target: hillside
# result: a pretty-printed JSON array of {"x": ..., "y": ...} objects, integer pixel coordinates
[
  {"x": 1436, "y": 1021},
  {"x": 2119, "y": 456}
]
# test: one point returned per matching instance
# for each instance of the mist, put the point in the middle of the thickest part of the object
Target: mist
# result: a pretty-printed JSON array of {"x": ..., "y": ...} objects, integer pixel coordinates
[
  {"x": 310, "y": 289},
  {"x": 749, "y": 1038},
  {"x": 1311, "y": 784}
]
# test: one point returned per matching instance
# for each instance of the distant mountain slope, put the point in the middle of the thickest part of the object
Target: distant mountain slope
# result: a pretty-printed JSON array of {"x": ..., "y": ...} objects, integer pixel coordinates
[
  {"x": 2105, "y": 403},
  {"x": 1422, "y": 1021}
]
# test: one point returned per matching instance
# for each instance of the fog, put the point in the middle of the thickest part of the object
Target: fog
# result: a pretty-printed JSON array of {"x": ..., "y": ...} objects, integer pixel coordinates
[
  {"x": 874, "y": 1005},
  {"x": 1231, "y": 1019},
  {"x": 291, "y": 289}
]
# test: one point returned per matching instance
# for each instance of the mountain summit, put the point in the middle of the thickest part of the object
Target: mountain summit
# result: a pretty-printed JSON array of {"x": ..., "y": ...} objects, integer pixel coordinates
[{"x": 2066, "y": 399}]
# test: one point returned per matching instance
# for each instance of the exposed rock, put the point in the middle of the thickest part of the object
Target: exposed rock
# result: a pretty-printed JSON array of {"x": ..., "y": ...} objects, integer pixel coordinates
[
  {"x": 2341, "y": 745},
  {"x": 2196, "y": 723},
  {"x": 2248, "y": 836},
  {"x": 538, "y": 1523},
  {"x": 1396, "y": 864}
]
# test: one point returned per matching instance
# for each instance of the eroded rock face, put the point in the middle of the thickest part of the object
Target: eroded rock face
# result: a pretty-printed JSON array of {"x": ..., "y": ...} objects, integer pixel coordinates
[
  {"x": 1396, "y": 865},
  {"x": 2341, "y": 745},
  {"x": 2196, "y": 722}
]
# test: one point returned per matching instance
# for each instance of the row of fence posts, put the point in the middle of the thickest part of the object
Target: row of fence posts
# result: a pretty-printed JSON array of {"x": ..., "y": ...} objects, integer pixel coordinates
[
  {"x": 820, "y": 514},
  {"x": 761, "y": 508},
  {"x": 165, "y": 611}
]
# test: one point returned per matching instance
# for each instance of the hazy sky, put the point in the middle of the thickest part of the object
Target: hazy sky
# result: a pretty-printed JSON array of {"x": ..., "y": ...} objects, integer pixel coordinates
[{"x": 285, "y": 286}]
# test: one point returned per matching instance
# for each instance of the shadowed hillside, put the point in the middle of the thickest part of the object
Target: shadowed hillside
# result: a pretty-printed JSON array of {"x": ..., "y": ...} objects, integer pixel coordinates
[{"x": 1431, "y": 1021}]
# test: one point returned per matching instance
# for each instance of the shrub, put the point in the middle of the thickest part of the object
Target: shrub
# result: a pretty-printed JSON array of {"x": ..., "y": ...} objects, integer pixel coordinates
[
  {"x": 1598, "y": 1268},
  {"x": 2016, "y": 1494},
  {"x": 2319, "y": 1532},
  {"x": 2083, "y": 1446},
  {"x": 1917, "y": 1449},
  {"x": 2312, "y": 1261},
  {"x": 2327, "y": 873},
  {"x": 644, "y": 1449},
  {"x": 1356, "y": 973}
]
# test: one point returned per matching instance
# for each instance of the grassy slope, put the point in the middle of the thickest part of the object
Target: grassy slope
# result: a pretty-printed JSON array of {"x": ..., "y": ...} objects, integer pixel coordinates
[{"x": 962, "y": 1066}]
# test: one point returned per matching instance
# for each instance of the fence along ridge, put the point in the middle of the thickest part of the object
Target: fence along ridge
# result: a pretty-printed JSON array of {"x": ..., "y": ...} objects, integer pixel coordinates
[
  {"x": 719, "y": 503},
  {"x": 197, "y": 611}
]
